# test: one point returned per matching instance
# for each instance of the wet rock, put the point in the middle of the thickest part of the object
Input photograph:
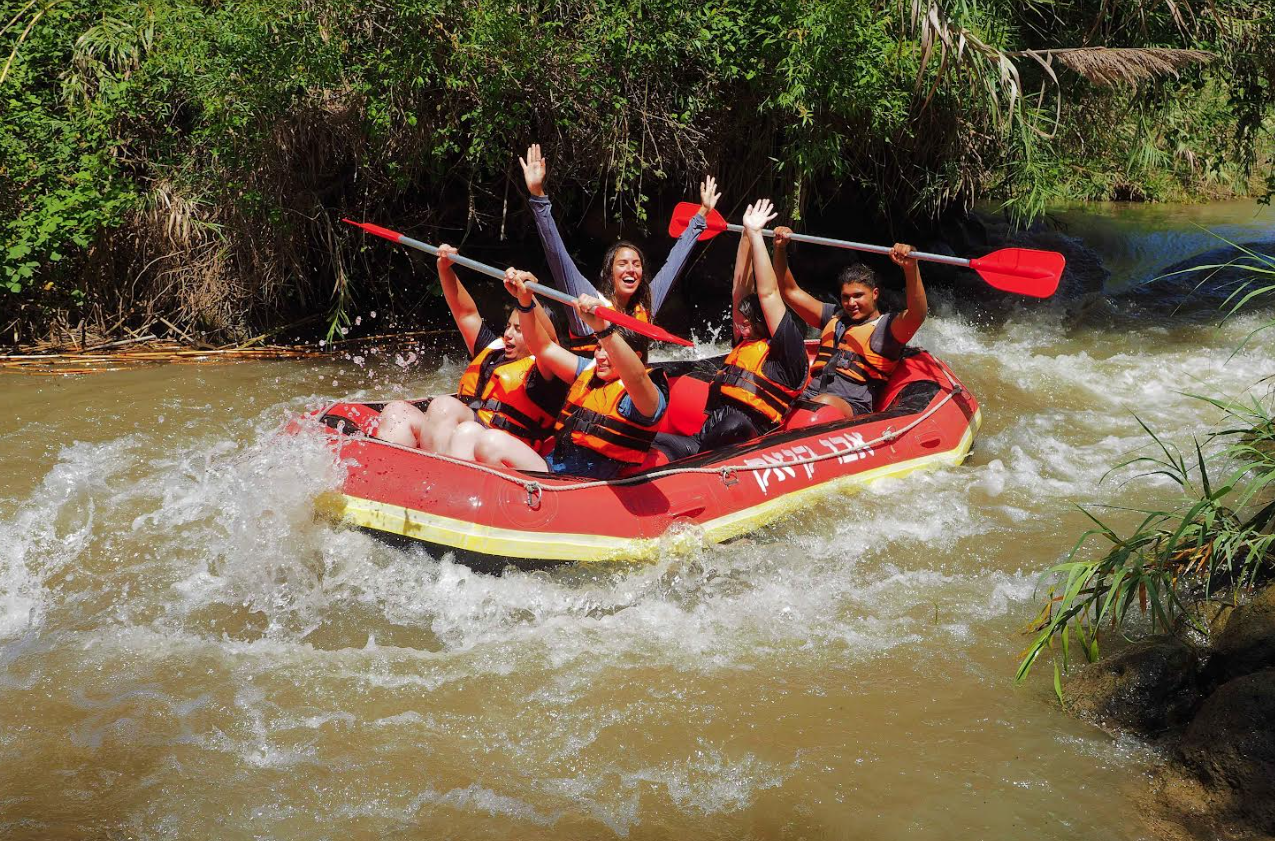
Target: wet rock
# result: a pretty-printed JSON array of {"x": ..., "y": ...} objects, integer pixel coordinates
[
  {"x": 1230, "y": 745},
  {"x": 1247, "y": 640},
  {"x": 1148, "y": 687}
]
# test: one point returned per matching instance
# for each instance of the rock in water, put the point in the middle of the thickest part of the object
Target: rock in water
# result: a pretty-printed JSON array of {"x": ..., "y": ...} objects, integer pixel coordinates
[
  {"x": 1230, "y": 744},
  {"x": 1148, "y": 687},
  {"x": 1247, "y": 641}
]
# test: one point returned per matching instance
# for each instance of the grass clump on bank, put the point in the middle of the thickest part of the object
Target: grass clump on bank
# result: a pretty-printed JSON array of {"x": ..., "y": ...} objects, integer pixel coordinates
[{"x": 1219, "y": 540}]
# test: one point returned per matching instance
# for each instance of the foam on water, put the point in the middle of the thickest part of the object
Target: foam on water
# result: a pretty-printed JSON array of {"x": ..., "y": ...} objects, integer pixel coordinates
[{"x": 199, "y": 553}]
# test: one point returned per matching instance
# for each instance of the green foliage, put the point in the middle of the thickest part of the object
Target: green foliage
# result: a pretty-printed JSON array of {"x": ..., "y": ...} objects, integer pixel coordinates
[
  {"x": 1221, "y": 534},
  {"x": 192, "y": 157}
]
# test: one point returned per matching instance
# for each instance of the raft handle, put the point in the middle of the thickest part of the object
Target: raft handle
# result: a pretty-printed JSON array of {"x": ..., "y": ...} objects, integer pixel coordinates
[{"x": 534, "y": 493}]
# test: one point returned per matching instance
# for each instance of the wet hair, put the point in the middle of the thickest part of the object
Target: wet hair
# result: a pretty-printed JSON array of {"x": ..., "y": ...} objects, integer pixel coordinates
[
  {"x": 641, "y": 344},
  {"x": 858, "y": 273},
  {"x": 606, "y": 285},
  {"x": 750, "y": 309},
  {"x": 556, "y": 318}
]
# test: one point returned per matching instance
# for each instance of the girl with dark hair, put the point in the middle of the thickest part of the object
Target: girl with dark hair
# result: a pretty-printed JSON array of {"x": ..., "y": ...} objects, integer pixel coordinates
[
  {"x": 501, "y": 390},
  {"x": 622, "y": 281},
  {"x": 613, "y": 405}
]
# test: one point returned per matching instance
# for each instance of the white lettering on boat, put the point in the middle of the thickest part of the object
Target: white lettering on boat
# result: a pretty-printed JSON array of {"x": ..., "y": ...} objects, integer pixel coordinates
[
  {"x": 850, "y": 445},
  {"x": 778, "y": 466}
]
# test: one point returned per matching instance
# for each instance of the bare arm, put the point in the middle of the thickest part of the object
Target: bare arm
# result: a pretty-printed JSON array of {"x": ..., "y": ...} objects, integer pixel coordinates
[
  {"x": 552, "y": 359},
  {"x": 637, "y": 382},
  {"x": 461, "y": 303},
  {"x": 772, "y": 303},
  {"x": 904, "y": 325},
  {"x": 742, "y": 280},
  {"x": 807, "y": 307}
]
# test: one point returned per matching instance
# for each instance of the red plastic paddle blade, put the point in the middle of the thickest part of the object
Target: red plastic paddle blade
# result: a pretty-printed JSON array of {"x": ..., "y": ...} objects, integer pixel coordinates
[
  {"x": 645, "y": 328},
  {"x": 681, "y": 220},
  {"x": 1023, "y": 271},
  {"x": 392, "y": 236}
]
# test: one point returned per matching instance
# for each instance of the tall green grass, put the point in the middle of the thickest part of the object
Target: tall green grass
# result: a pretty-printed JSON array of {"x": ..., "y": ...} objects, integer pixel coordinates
[{"x": 1218, "y": 539}]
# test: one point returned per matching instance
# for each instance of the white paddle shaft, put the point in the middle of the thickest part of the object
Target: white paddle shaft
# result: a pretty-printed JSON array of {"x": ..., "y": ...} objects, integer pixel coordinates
[
  {"x": 861, "y": 246},
  {"x": 490, "y": 271}
]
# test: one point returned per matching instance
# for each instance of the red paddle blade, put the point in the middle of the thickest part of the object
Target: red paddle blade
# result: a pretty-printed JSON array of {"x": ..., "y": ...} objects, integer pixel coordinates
[
  {"x": 645, "y": 328},
  {"x": 1023, "y": 271},
  {"x": 392, "y": 236},
  {"x": 681, "y": 220}
]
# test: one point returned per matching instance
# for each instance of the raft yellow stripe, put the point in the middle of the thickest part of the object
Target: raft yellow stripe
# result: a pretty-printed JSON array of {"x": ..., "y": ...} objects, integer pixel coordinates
[{"x": 513, "y": 543}]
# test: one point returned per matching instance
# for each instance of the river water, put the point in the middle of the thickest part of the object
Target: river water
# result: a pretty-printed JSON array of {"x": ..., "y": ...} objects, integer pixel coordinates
[{"x": 185, "y": 652}]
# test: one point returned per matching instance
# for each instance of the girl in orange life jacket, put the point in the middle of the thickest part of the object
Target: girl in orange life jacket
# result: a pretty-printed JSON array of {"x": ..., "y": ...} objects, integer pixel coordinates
[
  {"x": 767, "y": 369},
  {"x": 612, "y": 409},
  {"x": 622, "y": 279},
  {"x": 859, "y": 347},
  {"x": 501, "y": 388}
]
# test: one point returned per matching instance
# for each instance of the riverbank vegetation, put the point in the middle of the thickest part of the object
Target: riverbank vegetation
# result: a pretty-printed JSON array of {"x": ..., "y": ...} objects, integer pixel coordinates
[
  {"x": 181, "y": 166},
  {"x": 1167, "y": 574}
]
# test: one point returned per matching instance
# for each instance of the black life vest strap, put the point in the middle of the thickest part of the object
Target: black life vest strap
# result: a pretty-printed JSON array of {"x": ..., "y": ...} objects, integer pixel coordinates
[
  {"x": 484, "y": 374},
  {"x": 612, "y": 430},
  {"x": 746, "y": 380},
  {"x": 512, "y": 416}
]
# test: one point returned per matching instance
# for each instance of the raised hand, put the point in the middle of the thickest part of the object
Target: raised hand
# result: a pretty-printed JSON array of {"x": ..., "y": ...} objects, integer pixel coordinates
[
  {"x": 585, "y": 305},
  {"x": 708, "y": 195},
  {"x": 758, "y": 214},
  {"x": 782, "y": 234},
  {"x": 901, "y": 255},
  {"x": 516, "y": 282},
  {"x": 445, "y": 254},
  {"x": 535, "y": 169}
]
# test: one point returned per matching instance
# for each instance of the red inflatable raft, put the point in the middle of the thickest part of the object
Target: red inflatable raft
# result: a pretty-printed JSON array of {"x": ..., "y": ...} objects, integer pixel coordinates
[{"x": 494, "y": 516}]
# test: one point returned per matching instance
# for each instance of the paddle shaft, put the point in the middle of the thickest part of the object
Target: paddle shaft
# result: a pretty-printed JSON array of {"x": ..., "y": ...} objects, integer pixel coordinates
[
  {"x": 490, "y": 271},
  {"x": 862, "y": 246}
]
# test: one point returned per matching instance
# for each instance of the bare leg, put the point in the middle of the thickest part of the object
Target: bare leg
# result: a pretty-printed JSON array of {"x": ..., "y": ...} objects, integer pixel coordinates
[
  {"x": 464, "y": 438},
  {"x": 834, "y": 400},
  {"x": 400, "y": 423},
  {"x": 503, "y": 450},
  {"x": 441, "y": 419}
]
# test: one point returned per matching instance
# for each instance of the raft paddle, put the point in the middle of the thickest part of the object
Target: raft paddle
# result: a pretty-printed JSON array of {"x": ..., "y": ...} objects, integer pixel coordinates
[
  {"x": 1023, "y": 271},
  {"x": 613, "y": 316}
]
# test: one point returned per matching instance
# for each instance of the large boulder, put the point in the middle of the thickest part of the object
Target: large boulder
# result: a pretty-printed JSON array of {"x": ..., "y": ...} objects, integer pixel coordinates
[
  {"x": 1147, "y": 688},
  {"x": 1246, "y": 643},
  {"x": 1230, "y": 745}
]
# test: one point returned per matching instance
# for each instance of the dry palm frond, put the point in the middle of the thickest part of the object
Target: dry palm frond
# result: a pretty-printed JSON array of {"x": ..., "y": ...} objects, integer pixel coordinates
[
  {"x": 1112, "y": 66},
  {"x": 988, "y": 69}
]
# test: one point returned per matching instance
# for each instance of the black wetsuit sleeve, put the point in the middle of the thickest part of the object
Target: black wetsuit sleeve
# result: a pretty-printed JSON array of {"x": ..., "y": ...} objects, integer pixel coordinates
[
  {"x": 787, "y": 362},
  {"x": 677, "y": 257},
  {"x": 829, "y": 313},
  {"x": 566, "y": 275},
  {"x": 485, "y": 337}
]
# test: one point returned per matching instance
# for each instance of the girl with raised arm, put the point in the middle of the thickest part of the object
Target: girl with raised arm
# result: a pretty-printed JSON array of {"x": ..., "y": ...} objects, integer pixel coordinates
[
  {"x": 765, "y": 372},
  {"x": 612, "y": 408},
  {"x": 501, "y": 389},
  {"x": 623, "y": 280}
]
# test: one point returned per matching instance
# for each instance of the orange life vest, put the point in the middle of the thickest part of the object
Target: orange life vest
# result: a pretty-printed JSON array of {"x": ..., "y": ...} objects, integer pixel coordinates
[
  {"x": 740, "y": 381},
  {"x": 586, "y": 345},
  {"x": 591, "y": 418},
  {"x": 849, "y": 349},
  {"x": 497, "y": 392}
]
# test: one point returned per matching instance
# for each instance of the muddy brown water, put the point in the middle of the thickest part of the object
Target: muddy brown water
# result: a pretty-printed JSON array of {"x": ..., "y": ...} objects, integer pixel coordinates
[{"x": 186, "y": 652}]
